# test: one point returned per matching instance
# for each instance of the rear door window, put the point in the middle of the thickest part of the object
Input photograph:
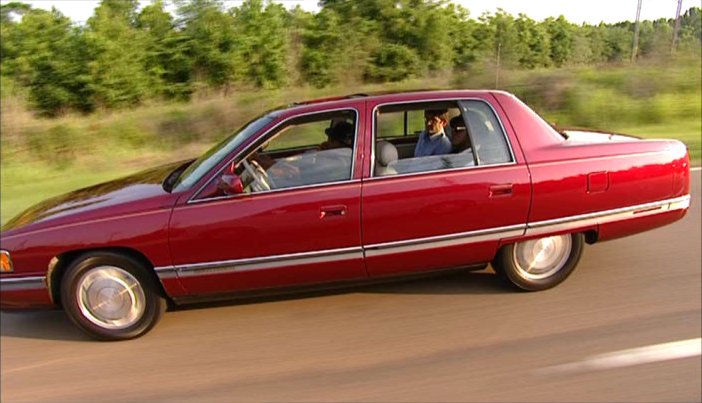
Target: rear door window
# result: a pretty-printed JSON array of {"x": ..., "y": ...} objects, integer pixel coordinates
[{"x": 479, "y": 138}]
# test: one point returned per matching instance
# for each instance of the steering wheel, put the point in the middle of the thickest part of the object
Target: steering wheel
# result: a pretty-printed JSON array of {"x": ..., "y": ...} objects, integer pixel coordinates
[{"x": 261, "y": 182}]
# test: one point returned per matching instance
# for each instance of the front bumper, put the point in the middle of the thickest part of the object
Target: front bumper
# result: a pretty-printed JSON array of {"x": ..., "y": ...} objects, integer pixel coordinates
[{"x": 25, "y": 293}]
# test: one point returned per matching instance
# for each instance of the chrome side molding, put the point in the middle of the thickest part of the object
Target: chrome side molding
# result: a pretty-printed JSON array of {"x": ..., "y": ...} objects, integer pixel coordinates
[
  {"x": 388, "y": 248},
  {"x": 260, "y": 263},
  {"x": 490, "y": 234},
  {"x": 607, "y": 216},
  {"x": 23, "y": 283}
]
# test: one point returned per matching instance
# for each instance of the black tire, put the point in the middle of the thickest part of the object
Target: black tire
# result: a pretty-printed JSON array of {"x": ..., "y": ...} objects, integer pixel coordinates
[
  {"x": 111, "y": 296},
  {"x": 555, "y": 260}
]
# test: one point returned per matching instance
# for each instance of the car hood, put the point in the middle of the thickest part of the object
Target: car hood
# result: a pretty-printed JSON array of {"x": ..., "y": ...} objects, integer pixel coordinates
[{"x": 121, "y": 196}]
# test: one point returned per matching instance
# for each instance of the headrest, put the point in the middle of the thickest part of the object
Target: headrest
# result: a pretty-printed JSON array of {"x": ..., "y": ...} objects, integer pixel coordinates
[{"x": 386, "y": 153}]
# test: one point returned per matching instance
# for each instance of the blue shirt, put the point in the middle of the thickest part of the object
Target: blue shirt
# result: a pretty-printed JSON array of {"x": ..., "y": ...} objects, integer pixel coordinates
[{"x": 436, "y": 144}]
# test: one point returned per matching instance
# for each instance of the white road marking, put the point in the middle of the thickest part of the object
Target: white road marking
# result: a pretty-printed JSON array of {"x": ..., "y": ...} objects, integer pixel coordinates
[
  {"x": 695, "y": 169},
  {"x": 33, "y": 366},
  {"x": 626, "y": 358}
]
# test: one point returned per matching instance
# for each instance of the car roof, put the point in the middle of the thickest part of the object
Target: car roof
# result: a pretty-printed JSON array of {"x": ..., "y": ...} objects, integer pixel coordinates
[{"x": 375, "y": 97}]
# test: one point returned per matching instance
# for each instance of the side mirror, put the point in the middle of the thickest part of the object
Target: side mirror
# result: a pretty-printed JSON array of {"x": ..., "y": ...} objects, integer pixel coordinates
[{"x": 230, "y": 184}]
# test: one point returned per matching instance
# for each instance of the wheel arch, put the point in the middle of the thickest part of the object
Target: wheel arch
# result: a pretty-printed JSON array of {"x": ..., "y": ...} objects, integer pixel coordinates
[
  {"x": 61, "y": 262},
  {"x": 504, "y": 266}
]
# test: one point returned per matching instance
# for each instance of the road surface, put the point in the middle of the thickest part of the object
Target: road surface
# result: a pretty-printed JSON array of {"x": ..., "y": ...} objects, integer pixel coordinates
[{"x": 624, "y": 327}]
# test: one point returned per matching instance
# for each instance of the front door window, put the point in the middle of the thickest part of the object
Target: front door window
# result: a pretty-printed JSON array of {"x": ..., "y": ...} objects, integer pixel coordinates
[{"x": 305, "y": 151}]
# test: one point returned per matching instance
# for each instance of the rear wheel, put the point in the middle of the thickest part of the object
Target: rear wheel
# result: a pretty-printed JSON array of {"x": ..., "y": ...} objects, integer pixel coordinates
[
  {"x": 111, "y": 296},
  {"x": 538, "y": 264}
]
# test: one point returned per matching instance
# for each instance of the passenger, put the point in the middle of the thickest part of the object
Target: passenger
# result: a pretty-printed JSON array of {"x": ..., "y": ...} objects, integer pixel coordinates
[
  {"x": 459, "y": 135},
  {"x": 462, "y": 151},
  {"x": 339, "y": 135},
  {"x": 433, "y": 140}
]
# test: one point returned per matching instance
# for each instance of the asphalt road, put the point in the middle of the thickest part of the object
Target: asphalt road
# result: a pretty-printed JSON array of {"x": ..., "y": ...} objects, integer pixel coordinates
[{"x": 459, "y": 337}]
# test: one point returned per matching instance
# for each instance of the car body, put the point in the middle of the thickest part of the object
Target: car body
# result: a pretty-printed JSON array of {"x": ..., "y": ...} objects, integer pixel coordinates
[{"x": 275, "y": 206}]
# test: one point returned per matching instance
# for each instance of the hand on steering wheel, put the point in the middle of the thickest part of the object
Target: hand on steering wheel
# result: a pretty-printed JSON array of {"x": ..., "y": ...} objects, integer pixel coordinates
[{"x": 261, "y": 181}]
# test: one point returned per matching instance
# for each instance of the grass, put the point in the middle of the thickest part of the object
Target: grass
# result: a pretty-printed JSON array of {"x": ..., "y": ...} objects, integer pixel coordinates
[
  {"x": 687, "y": 131},
  {"x": 25, "y": 183}
]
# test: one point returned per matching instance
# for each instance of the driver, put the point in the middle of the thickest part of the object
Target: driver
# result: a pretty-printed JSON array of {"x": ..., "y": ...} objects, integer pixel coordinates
[
  {"x": 339, "y": 135},
  {"x": 270, "y": 173}
]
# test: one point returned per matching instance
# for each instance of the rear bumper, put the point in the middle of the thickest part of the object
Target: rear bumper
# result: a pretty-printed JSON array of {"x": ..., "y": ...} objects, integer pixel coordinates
[{"x": 18, "y": 293}]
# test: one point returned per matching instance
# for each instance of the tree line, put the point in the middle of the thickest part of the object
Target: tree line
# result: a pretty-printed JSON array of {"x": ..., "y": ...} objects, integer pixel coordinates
[{"x": 123, "y": 55}]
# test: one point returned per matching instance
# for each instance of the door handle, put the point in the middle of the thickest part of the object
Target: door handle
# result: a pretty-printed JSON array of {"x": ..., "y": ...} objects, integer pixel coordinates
[
  {"x": 332, "y": 211},
  {"x": 501, "y": 190}
]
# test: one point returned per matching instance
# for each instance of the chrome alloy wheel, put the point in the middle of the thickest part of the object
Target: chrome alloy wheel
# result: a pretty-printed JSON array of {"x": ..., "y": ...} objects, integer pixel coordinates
[
  {"x": 537, "y": 259},
  {"x": 110, "y": 297}
]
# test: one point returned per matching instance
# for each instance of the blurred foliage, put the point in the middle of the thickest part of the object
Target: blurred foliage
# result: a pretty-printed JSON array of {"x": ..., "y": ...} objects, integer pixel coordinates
[
  {"x": 607, "y": 98},
  {"x": 123, "y": 57}
]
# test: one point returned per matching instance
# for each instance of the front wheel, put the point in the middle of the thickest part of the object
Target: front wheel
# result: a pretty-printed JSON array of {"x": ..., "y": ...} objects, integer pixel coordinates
[
  {"x": 111, "y": 296},
  {"x": 539, "y": 264}
]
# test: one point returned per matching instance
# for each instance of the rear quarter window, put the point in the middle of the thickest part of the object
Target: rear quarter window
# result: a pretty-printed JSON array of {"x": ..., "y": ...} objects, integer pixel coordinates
[{"x": 486, "y": 133}]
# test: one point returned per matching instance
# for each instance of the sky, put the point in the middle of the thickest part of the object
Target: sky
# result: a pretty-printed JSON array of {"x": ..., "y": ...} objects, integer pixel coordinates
[{"x": 577, "y": 11}]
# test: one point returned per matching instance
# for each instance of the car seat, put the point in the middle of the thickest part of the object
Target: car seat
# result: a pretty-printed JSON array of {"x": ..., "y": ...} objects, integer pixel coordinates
[{"x": 385, "y": 155}]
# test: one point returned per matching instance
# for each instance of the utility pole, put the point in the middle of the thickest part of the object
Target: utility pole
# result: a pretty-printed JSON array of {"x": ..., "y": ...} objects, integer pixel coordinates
[
  {"x": 635, "y": 49},
  {"x": 497, "y": 70},
  {"x": 677, "y": 28}
]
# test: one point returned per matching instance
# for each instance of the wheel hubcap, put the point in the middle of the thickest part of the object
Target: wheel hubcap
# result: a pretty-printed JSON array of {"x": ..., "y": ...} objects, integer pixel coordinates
[
  {"x": 110, "y": 297},
  {"x": 541, "y": 258}
]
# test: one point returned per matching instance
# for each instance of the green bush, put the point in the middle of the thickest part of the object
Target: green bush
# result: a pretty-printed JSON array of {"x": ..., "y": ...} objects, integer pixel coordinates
[
  {"x": 57, "y": 145},
  {"x": 606, "y": 99},
  {"x": 394, "y": 63}
]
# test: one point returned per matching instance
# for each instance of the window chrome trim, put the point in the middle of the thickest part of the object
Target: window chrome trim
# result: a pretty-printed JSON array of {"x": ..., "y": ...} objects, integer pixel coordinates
[
  {"x": 23, "y": 283},
  {"x": 305, "y": 187},
  {"x": 437, "y": 171},
  {"x": 247, "y": 151},
  {"x": 456, "y": 100},
  {"x": 418, "y": 244}
]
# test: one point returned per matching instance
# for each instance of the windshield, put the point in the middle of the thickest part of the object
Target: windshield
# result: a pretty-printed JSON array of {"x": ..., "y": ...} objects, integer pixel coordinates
[{"x": 215, "y": 154}]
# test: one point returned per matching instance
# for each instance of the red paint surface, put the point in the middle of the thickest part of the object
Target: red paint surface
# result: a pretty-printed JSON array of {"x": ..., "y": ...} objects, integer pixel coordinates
[
  {"x": 259, "y": 225},
  {"x": 25, "y": 299}
]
